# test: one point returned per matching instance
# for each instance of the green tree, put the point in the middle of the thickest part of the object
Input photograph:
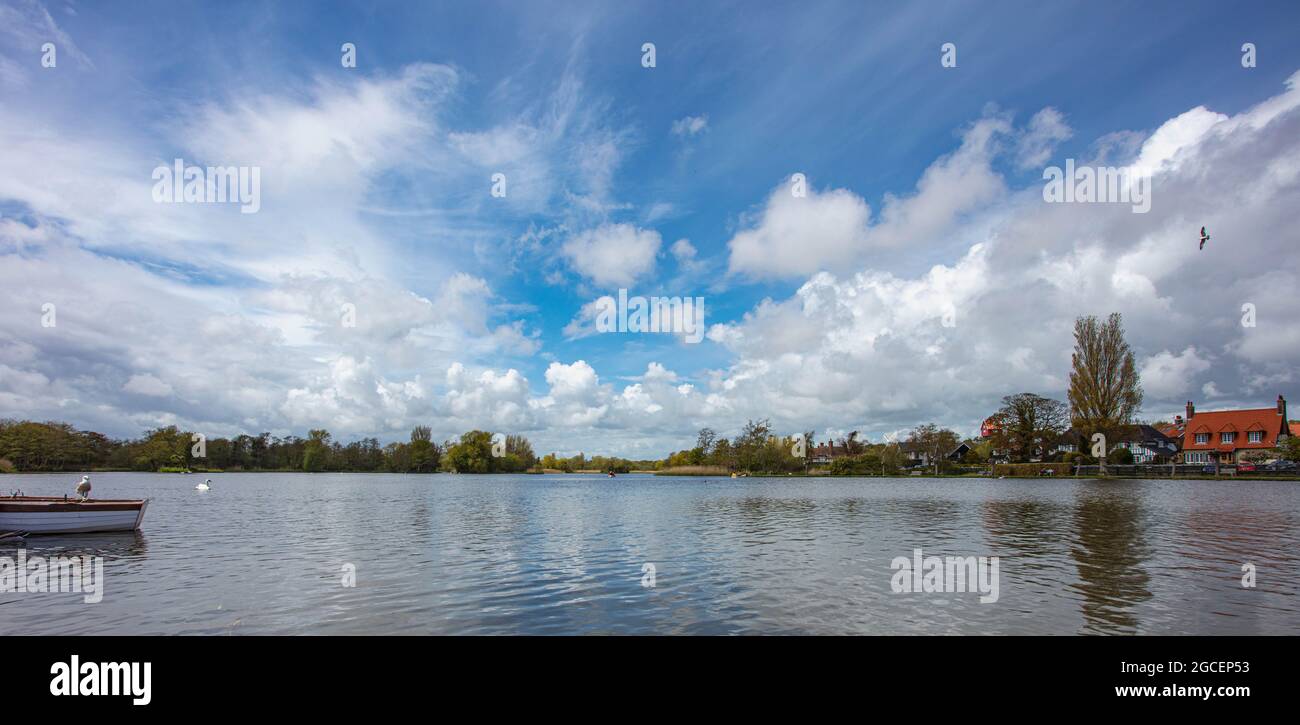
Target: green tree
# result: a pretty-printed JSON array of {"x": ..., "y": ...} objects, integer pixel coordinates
[
  {"x": 316, "y": 453},
  {"x": 471, "y": 454},
  {"x": 934, "y": 442},
  {"x": 1030, "y": 424},
  {"x": 425, "y": 455}
]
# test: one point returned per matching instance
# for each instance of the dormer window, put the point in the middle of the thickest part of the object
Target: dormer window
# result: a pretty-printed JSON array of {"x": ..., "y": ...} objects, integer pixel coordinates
[
  {"x": 1255, "y": 436},
  {"x": 1227, "y": 437},
  {"x": 1202, "y": 438}
]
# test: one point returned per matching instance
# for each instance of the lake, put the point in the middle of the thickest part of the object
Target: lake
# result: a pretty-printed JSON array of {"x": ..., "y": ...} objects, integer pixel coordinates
[{"x": 267, "y": 553}]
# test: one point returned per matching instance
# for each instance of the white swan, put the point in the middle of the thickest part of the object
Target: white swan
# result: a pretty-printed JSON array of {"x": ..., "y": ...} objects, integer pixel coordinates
[
  {"x": 83, "y": 488},
  {"x": 205, "y": 485}
]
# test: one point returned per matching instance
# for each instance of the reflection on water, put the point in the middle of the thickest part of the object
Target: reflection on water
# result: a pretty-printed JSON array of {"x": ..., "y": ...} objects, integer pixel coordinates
[
  {"x": 266, "y": 553},
  {"x": 1109, "y": 550}
]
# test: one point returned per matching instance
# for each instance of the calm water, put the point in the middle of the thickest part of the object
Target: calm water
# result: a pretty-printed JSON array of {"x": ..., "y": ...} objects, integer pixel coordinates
[{"x": 264, "y": 554}]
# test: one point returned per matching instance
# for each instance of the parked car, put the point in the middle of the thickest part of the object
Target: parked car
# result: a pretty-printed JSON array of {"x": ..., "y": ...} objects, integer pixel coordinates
[
  {"x": 1245, "y": 468},
  {"x": 1207, "y": 469},
  {"x": 1279, "y": 467}
]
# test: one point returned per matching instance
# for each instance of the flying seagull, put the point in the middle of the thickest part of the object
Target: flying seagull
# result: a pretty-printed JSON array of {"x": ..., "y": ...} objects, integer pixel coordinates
[{"x": 1204, "y": 238}]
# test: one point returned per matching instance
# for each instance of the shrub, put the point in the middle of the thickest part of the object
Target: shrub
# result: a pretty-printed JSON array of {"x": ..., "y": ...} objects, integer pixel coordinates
[
  {"x": 1074, "y": 458},
  {"x": 1031, "y": 469},
  {"x": 866, "y": 464},
  {"x": 1120, "y": 457}
]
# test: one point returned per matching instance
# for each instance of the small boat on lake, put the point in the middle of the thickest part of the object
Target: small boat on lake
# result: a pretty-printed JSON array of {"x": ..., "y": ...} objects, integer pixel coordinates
[{"x": 61, "y": 515}]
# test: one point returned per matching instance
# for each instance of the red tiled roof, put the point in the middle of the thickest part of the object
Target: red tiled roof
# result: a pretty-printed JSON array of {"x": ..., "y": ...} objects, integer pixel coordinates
[{"x": 1241, "y": 422}]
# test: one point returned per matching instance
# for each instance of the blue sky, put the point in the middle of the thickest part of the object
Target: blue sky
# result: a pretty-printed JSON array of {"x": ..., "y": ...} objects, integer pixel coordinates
[{"x": 375, "y": 192}]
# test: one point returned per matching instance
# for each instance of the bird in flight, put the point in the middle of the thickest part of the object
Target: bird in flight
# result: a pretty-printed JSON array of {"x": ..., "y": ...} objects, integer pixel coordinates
[{"x": 1204, "y": 238}]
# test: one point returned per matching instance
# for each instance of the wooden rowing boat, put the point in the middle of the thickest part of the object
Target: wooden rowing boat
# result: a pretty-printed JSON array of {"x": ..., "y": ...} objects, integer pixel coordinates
[{"x": 57, "y": 515}]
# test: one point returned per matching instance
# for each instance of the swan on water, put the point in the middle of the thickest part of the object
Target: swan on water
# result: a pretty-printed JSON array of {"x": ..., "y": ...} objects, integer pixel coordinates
[
  {"x": 205, "y": 485},
  {"x": 83, "y": 488}
]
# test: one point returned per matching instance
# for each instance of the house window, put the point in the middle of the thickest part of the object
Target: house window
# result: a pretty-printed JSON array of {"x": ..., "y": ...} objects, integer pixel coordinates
[
  {"x": 1202, "y": 438},
  {"x": 1227, "y": 437},
  {"x": 1255, "y": 436}
]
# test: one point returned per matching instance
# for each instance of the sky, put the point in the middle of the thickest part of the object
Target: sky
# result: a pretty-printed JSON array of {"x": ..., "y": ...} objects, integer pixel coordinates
[{"x": 861, "y": 211}]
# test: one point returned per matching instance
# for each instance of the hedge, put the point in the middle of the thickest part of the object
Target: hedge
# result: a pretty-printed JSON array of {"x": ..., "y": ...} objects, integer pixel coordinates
[{"x": 1031, "y": 469}]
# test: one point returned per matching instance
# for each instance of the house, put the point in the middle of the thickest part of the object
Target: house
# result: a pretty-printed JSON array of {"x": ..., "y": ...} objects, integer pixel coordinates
[
  {"x": 826, "y": 452},
  {"x": 959, "y": 452},
  {"x": 1222, "y": 435},
  {"x": 1147, "y": 443}
]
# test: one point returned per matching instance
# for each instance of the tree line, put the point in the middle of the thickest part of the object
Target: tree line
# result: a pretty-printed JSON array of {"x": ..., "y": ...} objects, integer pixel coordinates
[{"x": 52, "y": 446}]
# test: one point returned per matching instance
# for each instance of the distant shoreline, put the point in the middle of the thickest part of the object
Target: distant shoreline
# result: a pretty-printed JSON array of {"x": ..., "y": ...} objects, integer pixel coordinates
[{"x": 660, "y": 474}]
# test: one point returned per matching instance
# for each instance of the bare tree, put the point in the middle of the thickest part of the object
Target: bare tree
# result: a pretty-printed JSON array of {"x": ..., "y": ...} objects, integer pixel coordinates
[{"x": 706, "y": 440}]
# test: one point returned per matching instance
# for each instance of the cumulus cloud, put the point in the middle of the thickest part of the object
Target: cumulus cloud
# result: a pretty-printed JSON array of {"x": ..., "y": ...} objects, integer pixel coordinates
[
  {"x": 613, "y": 255},
  {"x": 1166, "y": 375},
  {"x": 795, "y": 236},
  {"x": 871, "y": 348}
]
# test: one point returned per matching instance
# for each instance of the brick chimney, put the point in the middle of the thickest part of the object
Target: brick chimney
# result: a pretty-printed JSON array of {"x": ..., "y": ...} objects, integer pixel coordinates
[
  {"x": 1281, "y": 407},
  {"x": 1178, "y": 420},
  {"x": 1191, "y": 410}
]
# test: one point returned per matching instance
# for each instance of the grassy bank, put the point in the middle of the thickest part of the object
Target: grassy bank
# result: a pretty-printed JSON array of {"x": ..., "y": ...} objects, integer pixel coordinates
[{"x": 694, "y": 471}]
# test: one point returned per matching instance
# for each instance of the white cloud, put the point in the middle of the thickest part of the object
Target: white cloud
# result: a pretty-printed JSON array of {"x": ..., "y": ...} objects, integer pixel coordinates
[
  {"x": 1046, "y": 129},
  {"x": 1166, "y": 375},
  {"x": 691, "y": 125},
  {"x": 613, "y": 255},
  {"x": 797, "y": 236}
]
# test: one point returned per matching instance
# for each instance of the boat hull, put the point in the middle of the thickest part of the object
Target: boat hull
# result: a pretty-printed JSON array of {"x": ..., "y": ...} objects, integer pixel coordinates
[{"x": 56, "y": 516}]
